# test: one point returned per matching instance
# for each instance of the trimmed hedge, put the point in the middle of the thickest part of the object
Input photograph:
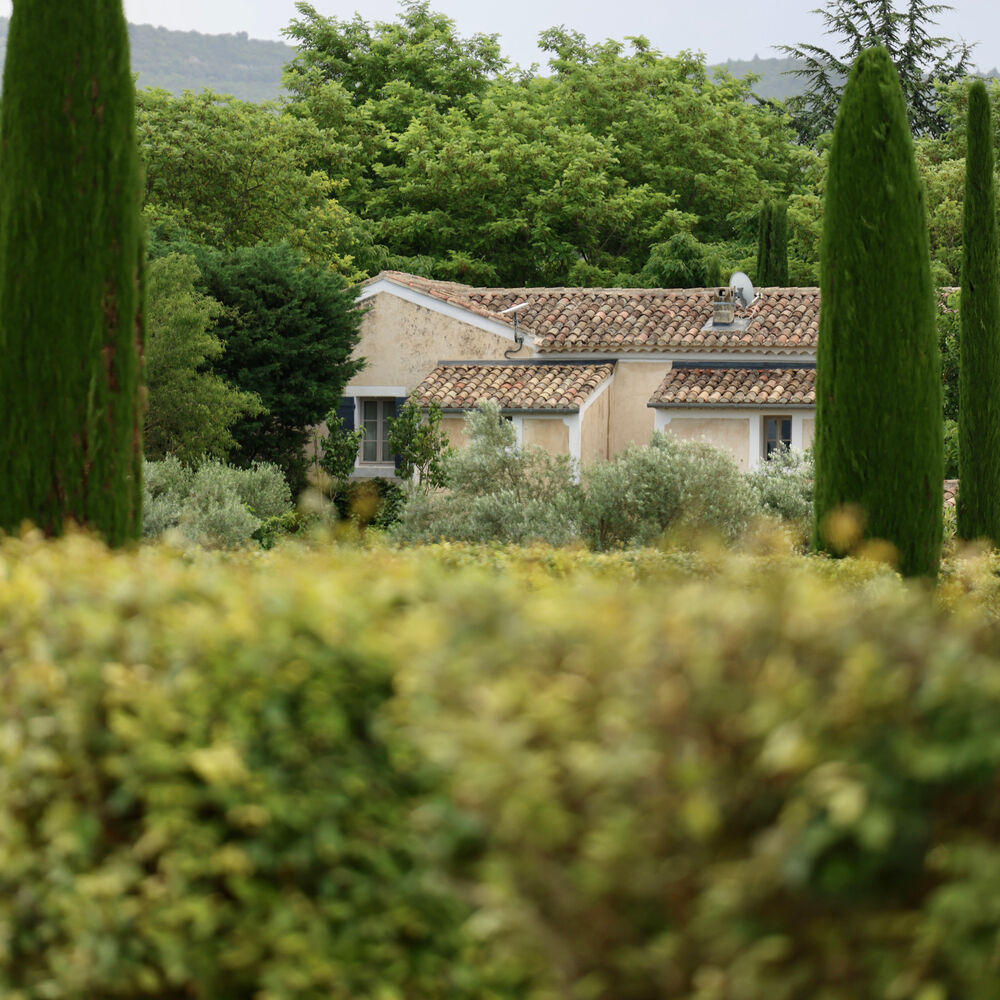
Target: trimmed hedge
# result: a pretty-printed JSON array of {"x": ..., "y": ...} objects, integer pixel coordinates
[
  {"x": 364, "y": 773},
  {"x": 196, "y": 796},
  {"x": 758, "y": 786}
]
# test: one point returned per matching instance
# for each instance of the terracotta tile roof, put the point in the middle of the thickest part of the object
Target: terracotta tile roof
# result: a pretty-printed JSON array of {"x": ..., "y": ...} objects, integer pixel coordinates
[
  {"x": 655, "y": 319},
  {"x": 623, "y": 320},
  {"x": 515, "y": 387},
  {"x": 747, "y": 386}
]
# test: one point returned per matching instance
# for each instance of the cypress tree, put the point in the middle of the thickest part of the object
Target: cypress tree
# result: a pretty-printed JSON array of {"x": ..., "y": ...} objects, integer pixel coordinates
[
  {"x": 71, "y": 263},
  {"x": 878, "y": 389},
  {"x": 979, "y": 345},
  {"x": 777, "y": 269},
  {"x": 763, "y": 243}
]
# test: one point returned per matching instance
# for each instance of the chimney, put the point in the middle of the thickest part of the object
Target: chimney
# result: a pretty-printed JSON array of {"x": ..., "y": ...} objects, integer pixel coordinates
[{"x": 724, "y": 308}]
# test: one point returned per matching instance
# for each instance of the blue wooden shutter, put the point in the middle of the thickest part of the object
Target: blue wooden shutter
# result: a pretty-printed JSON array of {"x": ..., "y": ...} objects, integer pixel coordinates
[
  {"x": 345, "y": 410},
  {"x": 400, "y": 403}
]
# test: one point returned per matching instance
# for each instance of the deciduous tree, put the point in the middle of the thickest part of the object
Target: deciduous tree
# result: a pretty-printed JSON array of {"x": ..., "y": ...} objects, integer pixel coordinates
[
  {"x": 230, "y": 173},
  {"x": 190, "y": 409}
]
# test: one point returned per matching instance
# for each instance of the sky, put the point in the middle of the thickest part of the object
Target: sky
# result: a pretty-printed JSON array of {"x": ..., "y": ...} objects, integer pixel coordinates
[{"x": 722, "y": 29}]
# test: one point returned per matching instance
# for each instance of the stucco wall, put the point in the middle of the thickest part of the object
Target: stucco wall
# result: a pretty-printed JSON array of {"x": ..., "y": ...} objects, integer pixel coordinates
[
  {"x": 594, "y": 432},
  {"x": 631, "y": 420},
  {"x": 550, "y": 434},
  {"x": 454, "y": 427},
  {"x": 731, "y": 434},
  {"x": 402, "y": 341},
  {"x": 808, "y": 431}
]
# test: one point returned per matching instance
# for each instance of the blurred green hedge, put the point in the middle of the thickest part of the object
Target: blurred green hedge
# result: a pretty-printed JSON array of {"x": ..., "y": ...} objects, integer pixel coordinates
[
  {"x": 778, "y": 781},
  {"x": 196, "y": 797},
  {"x": 383, "y": 775}
]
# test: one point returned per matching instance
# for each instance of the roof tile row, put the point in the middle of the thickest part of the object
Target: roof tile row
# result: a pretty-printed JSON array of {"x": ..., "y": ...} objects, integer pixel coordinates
[
  {"x": 737, "y": 387},
  {"x": 561, "y": 388}
]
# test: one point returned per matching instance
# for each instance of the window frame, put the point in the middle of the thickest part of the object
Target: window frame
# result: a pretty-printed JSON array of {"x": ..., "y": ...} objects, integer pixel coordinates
[
  {"x": 766, "y": 449},
  {"x": 386, "y": 408}
]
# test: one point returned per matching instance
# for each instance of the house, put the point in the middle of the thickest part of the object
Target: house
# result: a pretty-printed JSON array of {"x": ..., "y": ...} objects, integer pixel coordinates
[{"x": 588, "y": 371}]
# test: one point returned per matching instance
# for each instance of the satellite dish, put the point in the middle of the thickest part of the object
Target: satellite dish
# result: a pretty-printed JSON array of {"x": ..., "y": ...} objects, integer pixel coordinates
[{"x": 742, "y": 289}]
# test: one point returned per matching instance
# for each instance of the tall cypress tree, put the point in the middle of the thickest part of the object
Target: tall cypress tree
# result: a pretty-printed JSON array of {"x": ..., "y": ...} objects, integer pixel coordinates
[
  {"x": 878, "y": 388},
  {"x": 979, "y": 369},
  {"x": 71, "y": 263},
  {"x": 763, "y": 243},
  {"x": 777, "y": 270}
]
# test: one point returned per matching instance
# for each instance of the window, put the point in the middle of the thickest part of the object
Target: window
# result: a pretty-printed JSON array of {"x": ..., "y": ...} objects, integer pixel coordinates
[
  {"x": 777, "y": 432},
  {"x": 375, "y": 414}
]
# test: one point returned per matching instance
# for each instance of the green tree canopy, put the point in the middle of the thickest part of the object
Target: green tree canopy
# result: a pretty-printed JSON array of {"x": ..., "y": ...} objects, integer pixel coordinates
[
  {"x": 190, "y": 410},
  {"x": 681, "y": 262},
  {"x": 231, "y": 173},
  {"x": 393, "y": 67},
  {"x": 920, "y": 59},
  {"x": 289, "y": 329},
  {"x": 465, "y": 171}
]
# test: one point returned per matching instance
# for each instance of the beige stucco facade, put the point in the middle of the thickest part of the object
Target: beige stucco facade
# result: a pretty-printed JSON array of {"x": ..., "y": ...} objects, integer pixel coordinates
[
  {"x": 595, "y": 428},
  {"x": 630, "y": 420},
  {"x": 454, "y": 427},
  {"x": 401, "y": 341},
  {"x": 731, "y": 434},
  {"x": 551, "y": 434}
]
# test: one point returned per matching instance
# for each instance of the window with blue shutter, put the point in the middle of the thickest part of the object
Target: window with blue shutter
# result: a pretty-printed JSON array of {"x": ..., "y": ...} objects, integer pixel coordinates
[{"x": 345, "y": 410}]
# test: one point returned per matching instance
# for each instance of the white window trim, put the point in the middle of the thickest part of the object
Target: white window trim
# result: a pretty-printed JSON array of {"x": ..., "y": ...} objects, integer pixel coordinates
[
  {"x": 359, "y": 411},
  {"x": 382, "y": 391}
]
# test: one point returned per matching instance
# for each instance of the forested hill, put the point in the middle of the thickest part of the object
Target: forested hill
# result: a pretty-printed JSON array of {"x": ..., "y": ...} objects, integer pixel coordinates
[
  {"x": 187, "y": 60},
  {"x": 251, "y": 69},
  {"x": 776, "y": 78}
]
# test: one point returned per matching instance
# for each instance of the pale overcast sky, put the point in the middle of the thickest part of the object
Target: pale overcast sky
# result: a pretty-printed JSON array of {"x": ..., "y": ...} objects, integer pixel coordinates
[{"x": 722, "y": 29}]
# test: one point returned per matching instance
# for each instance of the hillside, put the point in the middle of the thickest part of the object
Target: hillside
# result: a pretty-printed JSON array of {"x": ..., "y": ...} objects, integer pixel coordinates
[
  {"x": 776, "y": 79},
  {"x": 189, "y": 60}
]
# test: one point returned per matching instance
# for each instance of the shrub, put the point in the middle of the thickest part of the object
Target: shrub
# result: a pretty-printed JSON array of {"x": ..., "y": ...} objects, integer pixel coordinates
[
  {"x": 214, "y": 504},
  {"x": 784, "y": 485},
  {"x": 375, "y": 503},
  {"x": 452, "y": 773},
  {"x": 689, "y": 487},
  {"x": 419, "y": 444},
  {"x": 498, "y": 491}
]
